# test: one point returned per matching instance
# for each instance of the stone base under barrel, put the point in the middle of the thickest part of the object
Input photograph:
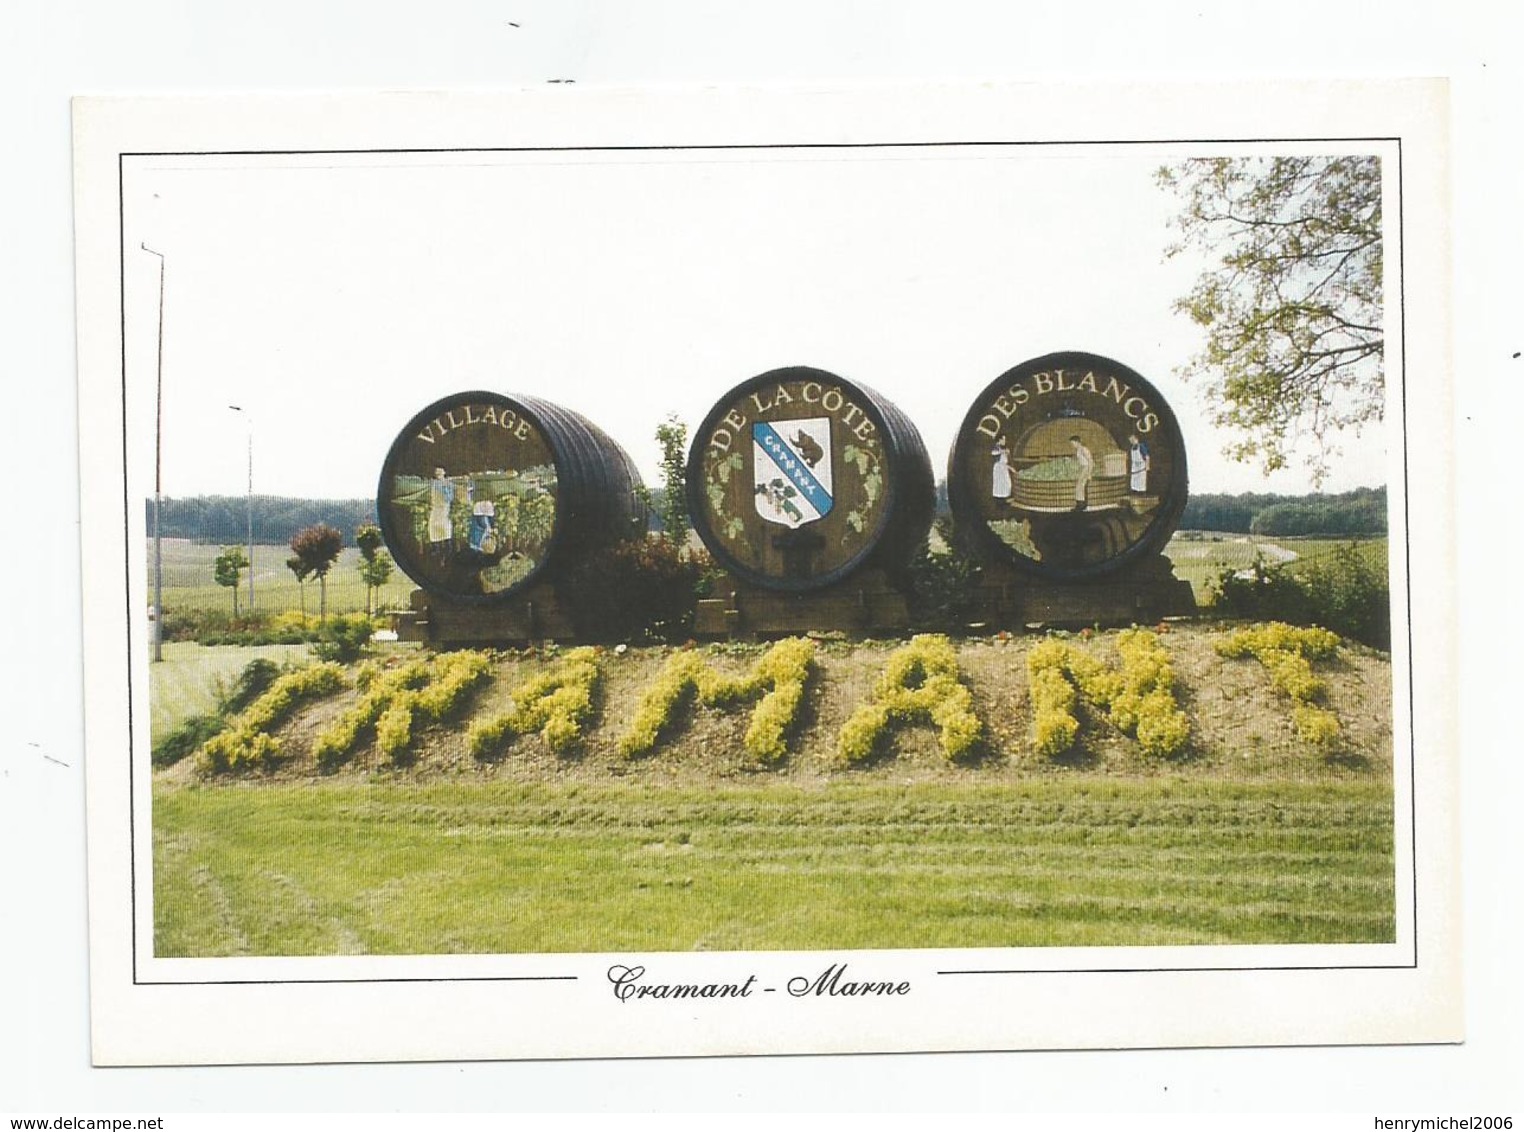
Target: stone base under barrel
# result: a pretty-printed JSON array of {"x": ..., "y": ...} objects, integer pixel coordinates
[
  {"x": 533, "y": 614},
  {"x": 863, "y": 604},
  {"x": 1144, "y": 593}
]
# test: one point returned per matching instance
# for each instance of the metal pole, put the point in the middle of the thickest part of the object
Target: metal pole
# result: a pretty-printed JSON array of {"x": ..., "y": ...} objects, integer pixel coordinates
[
  {"x": 251, "y": 516},
  {"x": 158, "y": 472},
  {"x": 249, "y": 421}
]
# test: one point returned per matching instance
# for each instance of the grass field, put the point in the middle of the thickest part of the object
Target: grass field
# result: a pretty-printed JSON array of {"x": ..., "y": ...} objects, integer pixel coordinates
[
  {"x": 346, "y": 868},
  {"x": 185, "y": 682},
  {"x": 1201, "y": 556},
  {"x": 189, "y": 581}
]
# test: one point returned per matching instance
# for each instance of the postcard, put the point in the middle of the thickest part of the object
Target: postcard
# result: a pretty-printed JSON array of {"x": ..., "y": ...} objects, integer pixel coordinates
[{"x": 607, "y": 573}]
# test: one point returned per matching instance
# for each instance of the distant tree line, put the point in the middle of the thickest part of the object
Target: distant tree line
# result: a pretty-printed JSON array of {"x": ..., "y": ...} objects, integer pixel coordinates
[
  {"x": 1358, "y": 512},
  {"x": 223, "y": 519}
]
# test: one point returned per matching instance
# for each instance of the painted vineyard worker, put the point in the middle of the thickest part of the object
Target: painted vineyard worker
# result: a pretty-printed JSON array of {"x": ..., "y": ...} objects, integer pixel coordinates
[
  {"x": 1001, "y": 475},
  {"x": 1086, "y": 461},
  {"x": 441, "y": 496},
  {"x": 1137, "y": 464},
  {"x": 483, "y": 539}
]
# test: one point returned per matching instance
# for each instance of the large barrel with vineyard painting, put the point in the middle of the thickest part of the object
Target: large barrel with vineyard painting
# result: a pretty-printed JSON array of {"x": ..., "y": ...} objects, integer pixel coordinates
[
  {"x": 1069, "y": 467},
  {"x": 483, "y": 493},
  {"x": 797, "y": 478}
]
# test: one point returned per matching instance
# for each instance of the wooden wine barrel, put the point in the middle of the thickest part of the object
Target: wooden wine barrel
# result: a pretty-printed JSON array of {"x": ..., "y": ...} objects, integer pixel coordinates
[
  {"x": 1069, "y": 467},
  {"x": 797, "y": 478},
  {"x": 482, "y": 493}
]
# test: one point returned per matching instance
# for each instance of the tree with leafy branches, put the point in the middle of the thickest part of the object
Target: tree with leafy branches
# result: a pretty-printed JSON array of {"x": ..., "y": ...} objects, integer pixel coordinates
[
  {"x": 672, "y": 437},
  {"x": 228, "y": 567},
  {"x": 302, "y": 571},
  {"x": 318, "y": 548},
  {"x": 1291, "y": 301},
  {"x": 375, "y": 564}
]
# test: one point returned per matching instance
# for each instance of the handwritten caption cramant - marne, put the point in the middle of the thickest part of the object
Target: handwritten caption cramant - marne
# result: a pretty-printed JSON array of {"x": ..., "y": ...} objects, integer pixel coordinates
[{"x": 631, "y": 985}]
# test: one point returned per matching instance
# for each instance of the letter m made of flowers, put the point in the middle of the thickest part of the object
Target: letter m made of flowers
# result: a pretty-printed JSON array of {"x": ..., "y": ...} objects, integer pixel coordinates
[{"x": 777, "y": 682}]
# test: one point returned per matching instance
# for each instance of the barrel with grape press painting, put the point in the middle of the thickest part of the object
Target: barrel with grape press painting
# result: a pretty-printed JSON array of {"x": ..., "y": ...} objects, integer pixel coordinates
[{"x": 1068, "y": 467}]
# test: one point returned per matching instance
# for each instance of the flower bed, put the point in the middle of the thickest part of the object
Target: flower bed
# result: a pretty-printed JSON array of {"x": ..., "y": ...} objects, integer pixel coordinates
[
  {"x": 1139, "y": 698},
  {"x": 557, "y": 703},
  {"x": 1287, "y": 653},
  {"x": 247, "y": 743},
  {"x": 920, "y": 681},
  {"x": 781, "y": 673}
]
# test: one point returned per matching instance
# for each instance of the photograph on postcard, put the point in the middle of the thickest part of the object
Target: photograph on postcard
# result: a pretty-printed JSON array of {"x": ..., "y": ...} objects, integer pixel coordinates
[{"x": 510, "y": 583}]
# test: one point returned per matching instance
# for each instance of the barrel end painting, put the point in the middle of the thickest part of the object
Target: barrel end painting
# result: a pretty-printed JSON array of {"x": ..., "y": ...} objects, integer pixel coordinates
[
  {"x": 798, "y": 479},
  {"x": 1069, "y": 471},
  {"x": 485, "y": 498}
]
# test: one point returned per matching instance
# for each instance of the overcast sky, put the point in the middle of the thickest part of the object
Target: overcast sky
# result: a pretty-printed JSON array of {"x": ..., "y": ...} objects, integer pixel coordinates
[{"x": 333, "y": 297}]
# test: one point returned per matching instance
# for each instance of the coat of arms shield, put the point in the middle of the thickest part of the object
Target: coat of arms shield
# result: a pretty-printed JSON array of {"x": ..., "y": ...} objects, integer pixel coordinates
[{"x": 791, "y": 470}]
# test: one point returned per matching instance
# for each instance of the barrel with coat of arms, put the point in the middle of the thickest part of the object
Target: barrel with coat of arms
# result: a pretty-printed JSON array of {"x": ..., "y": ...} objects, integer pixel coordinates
[{"x": 798, "y": 477}]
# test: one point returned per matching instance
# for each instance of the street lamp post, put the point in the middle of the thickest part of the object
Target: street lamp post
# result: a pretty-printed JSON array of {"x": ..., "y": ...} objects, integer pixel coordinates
[
  {"x": 158, "y": 469},
  {"x": 249, "y": 420}
]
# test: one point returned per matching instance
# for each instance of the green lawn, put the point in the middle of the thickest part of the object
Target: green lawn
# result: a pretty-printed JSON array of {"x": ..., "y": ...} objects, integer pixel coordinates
[
  {"x": 1077, "y": 859},
  {"x": 186, "y": 681},
  {"x": 189, "y": 582}
]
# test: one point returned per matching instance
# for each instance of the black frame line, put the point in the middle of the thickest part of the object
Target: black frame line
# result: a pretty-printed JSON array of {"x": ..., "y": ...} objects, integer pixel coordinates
[{"x": 122, "y": 157}]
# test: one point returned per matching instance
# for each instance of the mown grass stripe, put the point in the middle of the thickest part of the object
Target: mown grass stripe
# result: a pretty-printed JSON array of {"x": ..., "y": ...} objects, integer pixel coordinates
[{"x": 485, "y": 866}]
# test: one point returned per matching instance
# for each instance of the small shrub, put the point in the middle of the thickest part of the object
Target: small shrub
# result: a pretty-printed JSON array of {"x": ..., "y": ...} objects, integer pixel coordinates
[
  {"x": 1265, "y": 591},
  {"x": 343, "y": 638},
  {"x": 291, "y": 623},
  {"x": 640, "y": 590},
  {"x": 185, "y": 737},
  {"x": 252, "y": 682},
  {"x": 921, "y": 680},
  {"x": 1351, "y": 594},
  {"x": 944, "y": 583}
]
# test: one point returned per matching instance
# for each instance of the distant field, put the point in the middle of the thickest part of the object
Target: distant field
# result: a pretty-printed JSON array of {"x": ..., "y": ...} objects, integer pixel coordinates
[
  {"x": 189, "y": 581},
  {"x": 397, "y": 868},
  {"x": 1201, "y": 556}
]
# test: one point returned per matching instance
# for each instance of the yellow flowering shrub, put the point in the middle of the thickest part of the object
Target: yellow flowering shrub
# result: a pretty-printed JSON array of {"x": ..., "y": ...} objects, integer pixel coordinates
[
  {"x": 1286, "y": 652},
  {"x": 379, "y": 687},
  {"x": 921, "y": 680},
  {"x": 247, "y": 742},
  {"x": 558, "y": 703},
  {"x": 779, "y": 677},
  {"x": 427, "y": 689},
  {"x": 1139, "y": 697}
]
